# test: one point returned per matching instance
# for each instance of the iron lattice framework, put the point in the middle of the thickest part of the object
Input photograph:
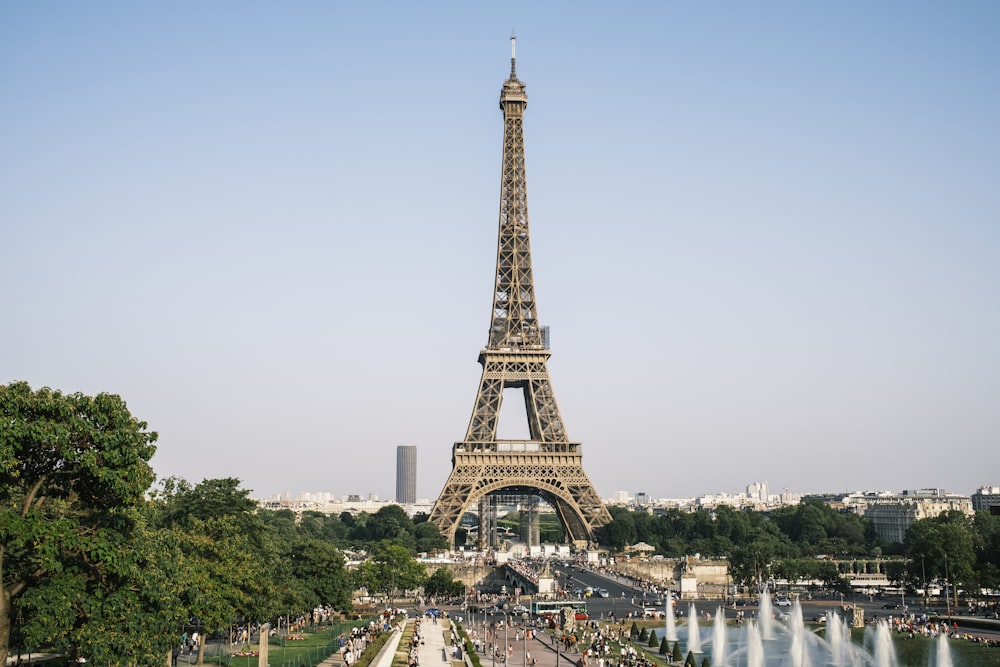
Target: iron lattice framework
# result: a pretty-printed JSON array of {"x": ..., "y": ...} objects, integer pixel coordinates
[{"x": 548, "y": 464}]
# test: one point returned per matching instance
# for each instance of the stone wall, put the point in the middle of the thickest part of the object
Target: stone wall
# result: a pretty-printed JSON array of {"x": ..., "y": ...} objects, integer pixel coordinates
[
  {"x": 468, "y": 573},
  {"x": 711, "y": 576}
]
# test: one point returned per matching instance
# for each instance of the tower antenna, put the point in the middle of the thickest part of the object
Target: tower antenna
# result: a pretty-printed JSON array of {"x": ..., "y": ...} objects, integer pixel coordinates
[{"x": 513, "y": 56}]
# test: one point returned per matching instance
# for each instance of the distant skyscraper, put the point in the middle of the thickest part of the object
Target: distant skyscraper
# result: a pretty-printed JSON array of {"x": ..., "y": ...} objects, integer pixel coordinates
[
  {"x": 406, "y": 474},
  {"x": 758, "y": 492}
]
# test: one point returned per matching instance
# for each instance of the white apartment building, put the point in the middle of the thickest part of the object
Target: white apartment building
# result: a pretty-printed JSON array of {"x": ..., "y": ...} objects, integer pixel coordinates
[
  {"x": 892, "y": 514},
  {"x": 985, "y": 497}
]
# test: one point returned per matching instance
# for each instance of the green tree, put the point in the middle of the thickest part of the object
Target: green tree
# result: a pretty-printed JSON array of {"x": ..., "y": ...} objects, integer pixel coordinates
[
  {"x": 943, "y": 546},
  {"x": 319, "y": 570},
  {"x": 620, "y": 532},
  {"x": 211, "y": 498},
  {"x": 320, "y": 526},
  {"x": 689, "y": 660},
  {"x": 442, "y": 583},
  {"x": 75, "y": 469},
  {"x": 664, "y": 646},
  {"x": 676, "y": 655},
  {"x": 429, "y": 538},
  {"x": 987, "y": 548},
  {"x": 229, "y": 565},
  {"x": 282, "y": 525},
  {"x": 642, "y": 635},
  {"x": 896, "y": 571},
  {"x": 652, "y": 643},
  {"x": 390, "y": 568},
  {"x": 391, "y": 523}
]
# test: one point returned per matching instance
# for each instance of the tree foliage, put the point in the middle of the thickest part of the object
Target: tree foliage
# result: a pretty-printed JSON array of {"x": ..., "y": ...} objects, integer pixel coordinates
[
  {"x": 75, "y": 468},
  {"x": 391, "y": 568},
  {"x": 95, "y": 568},
  {"x": 753, "y": 542},
  {"x": 442, "y": 583},
  {"x": 943, "y": 547}
]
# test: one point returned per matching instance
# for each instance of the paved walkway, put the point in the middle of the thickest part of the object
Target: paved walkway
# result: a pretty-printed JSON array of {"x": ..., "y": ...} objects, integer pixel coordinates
[
  {"x": 434, "y": 651},
  {"x": 437, "y": 651},
  {"x": 540, "y": 651}
]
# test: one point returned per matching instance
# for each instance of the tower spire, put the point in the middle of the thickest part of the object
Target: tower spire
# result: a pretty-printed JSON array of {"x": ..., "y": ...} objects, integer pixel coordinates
[{"x": 513, "y": 57}]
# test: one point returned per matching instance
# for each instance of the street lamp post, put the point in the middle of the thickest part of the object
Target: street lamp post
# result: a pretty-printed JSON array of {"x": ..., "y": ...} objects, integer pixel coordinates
[
  {"x": 923, "y": 574},
  {"x": 947, "y": 597},
  {"x": 506, "y": 624},
  {"x": 524, "y": 629}
]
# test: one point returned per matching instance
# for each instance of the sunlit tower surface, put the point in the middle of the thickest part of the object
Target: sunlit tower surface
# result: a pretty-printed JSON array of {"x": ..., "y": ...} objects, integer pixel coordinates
[{"x": 546, "y": 465}]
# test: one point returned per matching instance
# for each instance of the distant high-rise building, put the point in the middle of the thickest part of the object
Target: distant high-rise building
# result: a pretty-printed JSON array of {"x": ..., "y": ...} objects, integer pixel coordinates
[
  {"x": 406, "y": 474},
  {"x": 620, "y": 497},
  {"x": 985, "y": 498},
  {"x": 641, "y": 498},
  {"x": 758, "y": 492}
]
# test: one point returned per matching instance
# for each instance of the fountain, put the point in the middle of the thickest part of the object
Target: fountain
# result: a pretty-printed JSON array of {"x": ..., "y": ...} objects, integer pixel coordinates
[
  {"x": 839, "y": 638},
  {"x": 719, "y": 638},
  {"x": 795, "y": 645},
  {"x": 798, "y": 652},
  {"x": 671, "y": 629},
  {"x": 884, "y": 652},
  {"x": 755, "y": 646},
  {"x": 766, "y": 616},
  {"x": 694, "y": 637},
  {"x": 943, "y": 652}
]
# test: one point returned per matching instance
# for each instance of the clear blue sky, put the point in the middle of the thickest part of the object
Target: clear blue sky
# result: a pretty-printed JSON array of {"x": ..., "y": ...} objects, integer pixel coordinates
[{"x": 766, "y": 235}]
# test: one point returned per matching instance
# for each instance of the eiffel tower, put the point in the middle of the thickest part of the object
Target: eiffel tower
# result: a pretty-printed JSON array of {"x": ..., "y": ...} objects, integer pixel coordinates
[{"x": 548, "y": 464}]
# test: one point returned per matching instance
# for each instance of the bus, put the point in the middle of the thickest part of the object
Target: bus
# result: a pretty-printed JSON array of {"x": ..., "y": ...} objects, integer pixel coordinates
[{"x": 543, "y": 608}]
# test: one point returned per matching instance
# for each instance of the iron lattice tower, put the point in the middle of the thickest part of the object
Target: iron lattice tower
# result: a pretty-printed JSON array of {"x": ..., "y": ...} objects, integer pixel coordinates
[{"x": 547, "y": 464}]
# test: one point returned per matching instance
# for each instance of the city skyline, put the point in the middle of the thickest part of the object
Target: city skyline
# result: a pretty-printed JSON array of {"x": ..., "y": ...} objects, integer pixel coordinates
[
  {"x": 622, "y": 496},
  {"x": 764, "y": 237}
]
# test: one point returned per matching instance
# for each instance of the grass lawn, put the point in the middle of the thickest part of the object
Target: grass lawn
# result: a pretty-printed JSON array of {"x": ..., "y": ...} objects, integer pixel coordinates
[
  {"x": 314, "y": 648},
  {"x": 922, "y": 651}
]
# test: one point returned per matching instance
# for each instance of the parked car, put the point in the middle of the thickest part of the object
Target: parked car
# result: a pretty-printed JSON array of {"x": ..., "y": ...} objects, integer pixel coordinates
[
  {"x": 890, "y": 605},
  {"x": 581, "y": 616},
  {"x": 820, "y": 618},
  {"x": 519, "y": 609},
  {"x": 782, "y": 602}
]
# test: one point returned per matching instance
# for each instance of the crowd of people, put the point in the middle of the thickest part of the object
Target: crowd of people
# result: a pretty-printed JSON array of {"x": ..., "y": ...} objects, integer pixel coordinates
[
  {"x": 529, "y": 568},
  {"x": 355, "y": 643},
  {"x": 413, "y": 648},
  {"x": 922, "y": 626}
]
